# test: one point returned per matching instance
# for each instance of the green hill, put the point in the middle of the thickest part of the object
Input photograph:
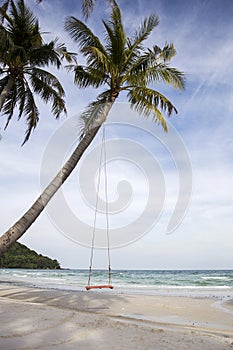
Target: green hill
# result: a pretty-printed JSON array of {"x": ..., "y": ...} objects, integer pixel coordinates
[{"x": 19, "y": 256}]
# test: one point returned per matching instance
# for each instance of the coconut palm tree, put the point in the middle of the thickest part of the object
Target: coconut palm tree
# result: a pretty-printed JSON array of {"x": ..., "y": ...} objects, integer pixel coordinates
[
  {"x": 23, "y": 54},
  {"x": 121, "y": 64}
]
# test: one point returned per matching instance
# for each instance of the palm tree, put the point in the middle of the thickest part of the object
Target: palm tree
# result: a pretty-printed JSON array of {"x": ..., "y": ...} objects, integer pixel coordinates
[
  {"x": 23, "y": 54},
  {"x": 122, "y": 64}
]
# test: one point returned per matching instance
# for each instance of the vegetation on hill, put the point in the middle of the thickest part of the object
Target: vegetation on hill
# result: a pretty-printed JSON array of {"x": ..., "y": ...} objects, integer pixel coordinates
[{"x": 19, "y": 256}]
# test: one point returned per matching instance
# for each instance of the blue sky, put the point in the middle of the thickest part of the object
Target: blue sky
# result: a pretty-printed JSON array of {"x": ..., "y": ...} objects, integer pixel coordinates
[{"x": 202, "y": 34}]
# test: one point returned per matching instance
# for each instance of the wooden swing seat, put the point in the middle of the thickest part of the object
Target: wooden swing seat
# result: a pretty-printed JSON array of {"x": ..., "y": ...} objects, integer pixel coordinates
[{"x": 100, "y": 286}]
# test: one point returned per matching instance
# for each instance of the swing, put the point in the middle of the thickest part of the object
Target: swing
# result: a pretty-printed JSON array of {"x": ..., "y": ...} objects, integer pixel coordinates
[{"x": 109, "y": 285}]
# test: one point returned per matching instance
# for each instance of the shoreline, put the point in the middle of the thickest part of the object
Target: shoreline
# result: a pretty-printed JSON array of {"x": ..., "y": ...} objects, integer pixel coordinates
[
  {"x": 220, "y": 293},
  {"x": 131, "y": 321}
]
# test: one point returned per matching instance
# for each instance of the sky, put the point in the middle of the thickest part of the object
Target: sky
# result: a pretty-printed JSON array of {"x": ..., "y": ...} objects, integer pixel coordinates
[{"x": 170, "y": 195}]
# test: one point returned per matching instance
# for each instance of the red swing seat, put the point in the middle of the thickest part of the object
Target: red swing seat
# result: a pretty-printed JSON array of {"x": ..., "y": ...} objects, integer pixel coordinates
[{"x": 100, "y": 287}]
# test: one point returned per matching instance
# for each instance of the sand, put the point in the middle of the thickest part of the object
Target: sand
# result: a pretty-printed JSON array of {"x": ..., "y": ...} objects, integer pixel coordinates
[{"x": 32, "y": 318}]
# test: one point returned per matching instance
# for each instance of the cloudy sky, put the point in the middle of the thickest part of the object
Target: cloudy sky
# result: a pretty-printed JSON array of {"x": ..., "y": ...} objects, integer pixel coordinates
[{"x": 170, "y": 195}]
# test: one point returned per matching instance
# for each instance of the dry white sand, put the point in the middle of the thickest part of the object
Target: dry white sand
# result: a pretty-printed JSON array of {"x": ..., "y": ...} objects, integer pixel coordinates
[{"x": 50, "y": 319}]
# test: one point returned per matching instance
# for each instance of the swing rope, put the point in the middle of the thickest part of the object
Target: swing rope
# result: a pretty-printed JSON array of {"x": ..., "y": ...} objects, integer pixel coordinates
[
  {"x": 106, "y": 205},
  {"x": 103, "y": 159}
]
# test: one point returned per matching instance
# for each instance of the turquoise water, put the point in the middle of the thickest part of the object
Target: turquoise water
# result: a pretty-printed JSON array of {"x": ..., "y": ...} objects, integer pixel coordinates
[{"x": 199, "y": 283}]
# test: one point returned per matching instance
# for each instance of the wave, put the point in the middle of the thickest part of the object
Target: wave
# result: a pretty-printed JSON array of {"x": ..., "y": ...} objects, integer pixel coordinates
[
  {"x": 125, "y": 279},
  {"x": 216, "y": 278}
]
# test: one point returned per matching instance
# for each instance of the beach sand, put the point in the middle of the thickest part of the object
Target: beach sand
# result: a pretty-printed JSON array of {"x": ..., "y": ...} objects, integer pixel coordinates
[{"x": 32, "y": 318}]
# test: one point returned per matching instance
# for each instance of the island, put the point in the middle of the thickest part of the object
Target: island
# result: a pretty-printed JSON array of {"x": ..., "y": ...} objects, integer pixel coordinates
[{"x": 20, "y": 256}]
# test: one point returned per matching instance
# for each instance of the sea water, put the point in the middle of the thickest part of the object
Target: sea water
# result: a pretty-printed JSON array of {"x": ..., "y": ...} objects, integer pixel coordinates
[{"x": 195, "y": 283}]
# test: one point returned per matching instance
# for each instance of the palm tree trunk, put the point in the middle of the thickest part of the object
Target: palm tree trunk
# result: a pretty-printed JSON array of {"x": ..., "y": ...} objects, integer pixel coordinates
[
  {"x": 21, "y": 226},
  {"x": 5, "y": 91}
]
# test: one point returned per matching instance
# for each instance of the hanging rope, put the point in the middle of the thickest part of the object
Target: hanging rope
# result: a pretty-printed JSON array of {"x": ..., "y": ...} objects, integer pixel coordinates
[
  {"x": 106, "y": 205},
  {"x": 103, "y": 159}
]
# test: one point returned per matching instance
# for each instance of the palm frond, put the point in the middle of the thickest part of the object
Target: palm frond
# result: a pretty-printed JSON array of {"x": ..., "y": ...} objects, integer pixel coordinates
[
  {"x": 6, "y": 51},
  {"x": 64, "y": 54},
  {"x": 134, "y": 45},
  {"x": 96, "y": 58},
  {"x": 48, "y": 87},
  {"x": 9, "y": 105},
  {"x": 144, "y": 31},
  {"x": 94, "y": 112},
  {"x": 158, "y": 55},
  {"x": 21, "y": 96},
  {"x": 87, "y": 76},
  {"x": 3, "y": 10},
  {"x": 116, "y": 39},
  {"x": 46, "y": 77},
  {"x": 31, "y": 112},
  {"x": 45, "y": 54},
  {"x": 109, "y": 37},
  {"x": 3, "y": 82},
  {"x": 150, "y": 102},
  {"x": 167, "y": 52},
  {"x": 151, "y": 67},
  {"x": 164, "y": 73},
  {"x": 80, "y": 33},
  {"x": 24, "y": 22},
  {"x": 20, "y": 12},
  {"x": 87, "y": 7}
]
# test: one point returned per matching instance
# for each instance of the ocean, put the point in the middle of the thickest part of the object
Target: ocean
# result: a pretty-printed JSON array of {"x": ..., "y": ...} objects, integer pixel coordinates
[{"x": 195, "y": 283}]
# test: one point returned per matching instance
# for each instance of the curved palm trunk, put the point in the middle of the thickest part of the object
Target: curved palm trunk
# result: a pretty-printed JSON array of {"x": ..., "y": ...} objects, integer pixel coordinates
[
  {"x": 5, "y": 91},
  {"x": 21, "y": 226}
]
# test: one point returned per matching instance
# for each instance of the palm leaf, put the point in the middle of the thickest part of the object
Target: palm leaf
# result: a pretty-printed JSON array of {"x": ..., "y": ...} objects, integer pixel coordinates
[
  {"x": 3, "y": 82},
  {"x": 87, "y": 76},
  {"x": 134, "y": 45},
  {"x": 96, "y": 58},
  {"x": 148, "y": 68},
  {"x": 3, "y": 13},
  {"x": 150, "y": 102},
  {"x": 80, "y": 33},
  {"x": 31, "y": 112},
  {"x": 9, "y": 105},
  {"x": 94, "y": 112},
  {"x": 167, "y": 52},
  {"x": 47, "y": 86},
  {"x": 167, "y": 74},
  {"x": 116, "y": 39},
  {"x": 45, "y": 55},
  {"x": 64, "y": 54},
  {"x": 87, "y": 7},
  {"x": 21, "y": 96},
  {"x": 144, "y": 31}
]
